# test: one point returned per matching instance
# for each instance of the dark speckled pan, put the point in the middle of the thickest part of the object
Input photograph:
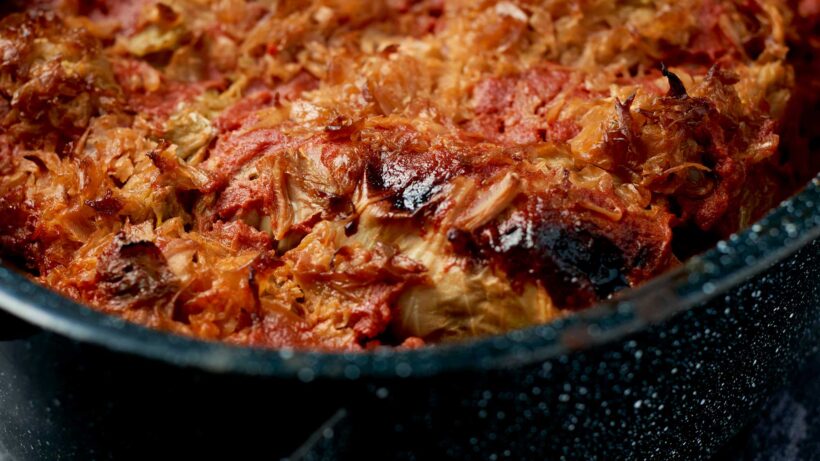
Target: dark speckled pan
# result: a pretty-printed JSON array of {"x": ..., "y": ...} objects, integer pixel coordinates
[{"x": 669, "y": 371}]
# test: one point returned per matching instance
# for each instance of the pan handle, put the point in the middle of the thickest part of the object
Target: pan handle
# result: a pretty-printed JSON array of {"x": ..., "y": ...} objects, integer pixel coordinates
[{"x": 12, "y": 328}]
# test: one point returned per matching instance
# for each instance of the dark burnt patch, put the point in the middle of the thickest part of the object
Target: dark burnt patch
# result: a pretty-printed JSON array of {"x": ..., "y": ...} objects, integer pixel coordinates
[
  {"x": 577, "y": 265},
  {"x": 409, "y": 179},
  {"x": 582, "y": 258},
  {"x": 134, "y": 274},
  {"x": 417, "y": 193},
  {"x": 577, "y": 262}
]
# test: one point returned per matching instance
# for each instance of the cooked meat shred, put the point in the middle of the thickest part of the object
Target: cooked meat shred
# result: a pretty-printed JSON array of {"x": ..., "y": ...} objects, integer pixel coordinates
[{"x": 345, "y": 174}]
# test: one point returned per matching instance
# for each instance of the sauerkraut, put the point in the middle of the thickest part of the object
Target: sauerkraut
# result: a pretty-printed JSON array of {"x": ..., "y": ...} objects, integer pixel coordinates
[{"x": 344, "y": 174}]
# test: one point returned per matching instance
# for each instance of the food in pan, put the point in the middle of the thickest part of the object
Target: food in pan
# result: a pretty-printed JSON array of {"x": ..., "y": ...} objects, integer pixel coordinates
[{"x": 346, "y": 174}]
